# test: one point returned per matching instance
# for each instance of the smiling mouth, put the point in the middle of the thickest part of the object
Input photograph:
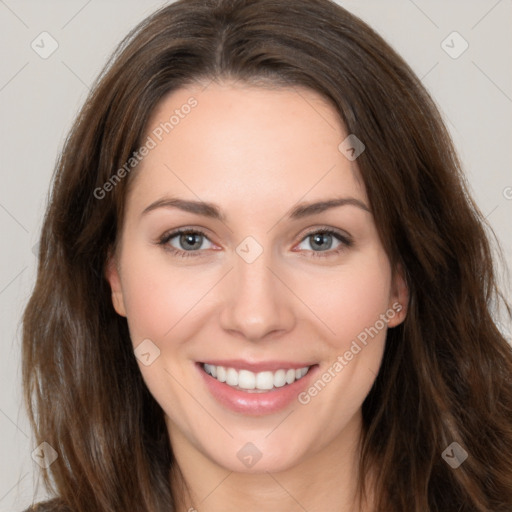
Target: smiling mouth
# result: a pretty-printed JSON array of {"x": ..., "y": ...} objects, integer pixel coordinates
[{"x": 255, "y": 382}]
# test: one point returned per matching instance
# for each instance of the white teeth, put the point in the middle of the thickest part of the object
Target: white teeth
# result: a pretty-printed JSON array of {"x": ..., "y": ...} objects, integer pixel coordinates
[
  {"x": 209, "y": 368},
  {"x": 231, "y": 377},
  {"x": 245, "y": 379},
  {"x": 264, "y": 380},
  {"x": 221, "y": 374},
  {"x": 290, "y": 376},
  {"x": 280, "y": 378}
]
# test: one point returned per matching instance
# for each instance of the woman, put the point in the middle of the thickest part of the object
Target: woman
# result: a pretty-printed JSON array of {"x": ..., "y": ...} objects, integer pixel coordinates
[{"x": 262, "y": 282}]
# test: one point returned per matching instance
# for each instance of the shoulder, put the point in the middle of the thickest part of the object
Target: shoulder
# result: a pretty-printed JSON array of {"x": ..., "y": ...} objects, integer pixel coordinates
[{"x": 54, "y": 505}]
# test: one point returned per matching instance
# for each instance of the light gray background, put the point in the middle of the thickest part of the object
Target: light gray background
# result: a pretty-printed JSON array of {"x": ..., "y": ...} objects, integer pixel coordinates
[{"x": 39, "y": 99}]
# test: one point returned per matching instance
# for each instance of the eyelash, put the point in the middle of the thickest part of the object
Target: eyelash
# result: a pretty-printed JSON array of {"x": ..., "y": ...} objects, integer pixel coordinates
[{"x": 166, "y": 237}]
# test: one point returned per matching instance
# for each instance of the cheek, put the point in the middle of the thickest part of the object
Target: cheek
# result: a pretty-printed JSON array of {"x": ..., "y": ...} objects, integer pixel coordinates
[
  {"x": 351, "y": 303},
  {"x": 159, "y": 295},
  {"x": 353, "y": 297}
]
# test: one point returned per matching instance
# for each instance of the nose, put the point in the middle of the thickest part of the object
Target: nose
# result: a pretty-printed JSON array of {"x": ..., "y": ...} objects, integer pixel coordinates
[{"x": 258, "y": 303}]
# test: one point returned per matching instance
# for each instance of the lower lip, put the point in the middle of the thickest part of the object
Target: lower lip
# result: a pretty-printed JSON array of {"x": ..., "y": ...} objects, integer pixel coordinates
[{"x": 256, "y": 404}]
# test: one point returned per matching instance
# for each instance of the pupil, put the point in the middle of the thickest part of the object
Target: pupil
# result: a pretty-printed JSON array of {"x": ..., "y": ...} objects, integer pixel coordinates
[
  {"x": 190, "y": 239},
  {"x": 319, "y": 240}
]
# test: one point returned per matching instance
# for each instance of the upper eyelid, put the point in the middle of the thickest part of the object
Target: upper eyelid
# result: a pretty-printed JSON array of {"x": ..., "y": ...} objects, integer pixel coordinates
[{"x": 173, "y": 233}]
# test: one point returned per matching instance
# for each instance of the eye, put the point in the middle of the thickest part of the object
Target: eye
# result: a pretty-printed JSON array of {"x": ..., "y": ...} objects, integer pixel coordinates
[
  {"x": 190, "y": 242},
  {"x": 322, "y": 241},
  {"x": 185, "y": 242}
]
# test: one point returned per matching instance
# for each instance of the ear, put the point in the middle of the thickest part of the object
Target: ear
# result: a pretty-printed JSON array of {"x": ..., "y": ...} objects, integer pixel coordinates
[
  {"x": 399, "y": 297},
  {"x": 113, "y": 277}
]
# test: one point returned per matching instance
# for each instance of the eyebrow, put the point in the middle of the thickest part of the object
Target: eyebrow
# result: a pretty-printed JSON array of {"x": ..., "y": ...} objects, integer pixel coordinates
[{"x": 212, "y": 211}]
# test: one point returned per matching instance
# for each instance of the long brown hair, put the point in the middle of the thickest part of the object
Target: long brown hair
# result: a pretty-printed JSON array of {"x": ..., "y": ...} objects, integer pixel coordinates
[{"x": 446, "y": 372}]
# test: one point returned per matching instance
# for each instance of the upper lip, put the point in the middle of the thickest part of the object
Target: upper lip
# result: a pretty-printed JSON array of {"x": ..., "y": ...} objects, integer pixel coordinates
[{"x": 255, "y": 367}]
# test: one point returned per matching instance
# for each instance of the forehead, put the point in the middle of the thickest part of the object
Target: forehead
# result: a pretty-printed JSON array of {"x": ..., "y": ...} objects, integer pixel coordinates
[{"x": 244, "y": 145}]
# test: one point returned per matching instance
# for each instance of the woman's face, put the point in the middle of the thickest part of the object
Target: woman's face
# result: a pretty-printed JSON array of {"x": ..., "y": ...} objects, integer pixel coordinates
[{"x": 264, "y": 282}]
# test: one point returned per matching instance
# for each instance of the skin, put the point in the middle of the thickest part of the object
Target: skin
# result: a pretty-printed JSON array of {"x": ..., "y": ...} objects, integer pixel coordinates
[{"x": 256, "y": 153}]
